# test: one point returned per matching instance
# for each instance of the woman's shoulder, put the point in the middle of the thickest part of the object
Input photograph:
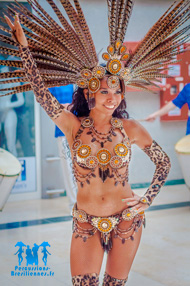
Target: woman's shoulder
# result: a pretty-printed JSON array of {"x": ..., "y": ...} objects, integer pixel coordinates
[
  {"x": 130, "y": 124},
  {"x": 136, "y": 132},
  {"x": 130, "y": 127}
]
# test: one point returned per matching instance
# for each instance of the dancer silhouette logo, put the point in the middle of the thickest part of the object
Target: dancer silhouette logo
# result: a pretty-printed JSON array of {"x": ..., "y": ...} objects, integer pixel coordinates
[{"x": 31, "y": 255}]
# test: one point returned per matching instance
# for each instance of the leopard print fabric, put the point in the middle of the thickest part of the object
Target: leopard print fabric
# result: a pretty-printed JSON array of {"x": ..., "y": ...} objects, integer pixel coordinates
[
  {"x": 43, "y": 96},
  {"x": 110, "y": 281},
  {"x": 163, "y": 165},
  {"x": 91, "y": 279}
]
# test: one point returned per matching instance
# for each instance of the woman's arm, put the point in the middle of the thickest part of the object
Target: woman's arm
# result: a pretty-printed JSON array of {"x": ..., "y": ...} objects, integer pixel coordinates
[
  {"x": 61, "y": 117},
  {"x": 50, "y": 104},
  {"x": 141, "y": 138},
  {"x": 162, "y": 163}
]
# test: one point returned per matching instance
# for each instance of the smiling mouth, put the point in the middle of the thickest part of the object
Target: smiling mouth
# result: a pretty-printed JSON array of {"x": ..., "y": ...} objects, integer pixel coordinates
[{"x": 109, "y": 106}]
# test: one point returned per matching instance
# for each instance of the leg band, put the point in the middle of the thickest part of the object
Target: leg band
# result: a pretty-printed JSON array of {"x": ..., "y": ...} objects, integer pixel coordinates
[
  {"x": 91, "y": 279},
  {"x": 110, "y": 281}
]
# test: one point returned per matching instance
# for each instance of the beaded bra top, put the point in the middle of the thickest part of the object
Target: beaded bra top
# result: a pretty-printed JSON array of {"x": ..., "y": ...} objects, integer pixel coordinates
[{"x": 108, "y": 164}]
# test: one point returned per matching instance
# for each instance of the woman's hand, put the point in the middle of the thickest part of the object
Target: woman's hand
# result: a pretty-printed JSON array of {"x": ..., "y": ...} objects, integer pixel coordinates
[
  {"x": 134, "y": 204},
  {"x": 17, "y": 30}
]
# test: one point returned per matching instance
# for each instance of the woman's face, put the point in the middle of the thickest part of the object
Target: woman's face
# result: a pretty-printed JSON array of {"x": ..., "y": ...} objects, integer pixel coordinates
[{"x": 107, "y": 99}]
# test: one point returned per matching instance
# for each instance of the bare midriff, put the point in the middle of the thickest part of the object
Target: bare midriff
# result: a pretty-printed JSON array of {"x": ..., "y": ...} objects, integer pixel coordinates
[{"x": 103, "y": 199}]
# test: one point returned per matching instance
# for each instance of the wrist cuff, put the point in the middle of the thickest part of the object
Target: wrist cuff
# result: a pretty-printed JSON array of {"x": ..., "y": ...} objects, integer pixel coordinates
[{"x": 144, "y": 200}]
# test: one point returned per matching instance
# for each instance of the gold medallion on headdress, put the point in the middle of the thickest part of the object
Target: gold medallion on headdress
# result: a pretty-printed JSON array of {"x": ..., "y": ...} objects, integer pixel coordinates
[
  {"x": 86, "y": 73},
  {"x": 82, "y": 83},
  {"x": 116, "y": 53},
  {"x": 99, "y": 72},
  {"x": 114, "y": 66},
  {"x": 94, "y": 84},
  {"x": 91, "y": 79},
  {"x": 113, "y": 82}
]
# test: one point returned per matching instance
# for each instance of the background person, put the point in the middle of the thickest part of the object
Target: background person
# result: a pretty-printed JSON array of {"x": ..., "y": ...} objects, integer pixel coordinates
[{"x": 182, "y": 98}]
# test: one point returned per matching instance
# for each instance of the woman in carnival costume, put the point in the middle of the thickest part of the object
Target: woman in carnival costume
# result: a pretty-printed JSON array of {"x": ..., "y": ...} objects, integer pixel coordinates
[{"x": 108, "y": 216}]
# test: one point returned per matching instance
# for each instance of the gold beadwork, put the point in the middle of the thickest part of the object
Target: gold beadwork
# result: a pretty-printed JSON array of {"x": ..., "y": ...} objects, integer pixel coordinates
[
  {"x": 92, "y": 162},
  {"x": 86, "y": 73},
  {"x": 113, "y": 81},
  {"x": 116, "y": 123},
  {"x": 111, "y": 50},
  {"x": 87, "y": 122},
  {"x": 125, "y": 57},
  {"x": 114, "y": 66},
  {"x": 80, "y": 215},
  {"x": 106, "y": 56},
  {"x": 122, "y": 50},
  {"x": 107, "y": 166},
  {"x": 94, "y": 84},
  {"x": 144, "y": 200},
  {"x": 99, "y": 72},
  {"x": 103, "y": 156},
  {"x": 121, "y": 150},
  {"x": 127, "y": 215},
  {"x": 116, "y": 162},
  {"x": 76, "y": 144},
  {"x": 105, "y": 225},
  {"x": 84, "y": 151},
  {"x": 82, "y": 83},
  {"x": 118, "y": 44}
]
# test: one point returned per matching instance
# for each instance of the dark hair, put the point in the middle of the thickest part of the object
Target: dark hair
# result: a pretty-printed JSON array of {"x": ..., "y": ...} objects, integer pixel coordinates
[{"x": 79, "y": 106}]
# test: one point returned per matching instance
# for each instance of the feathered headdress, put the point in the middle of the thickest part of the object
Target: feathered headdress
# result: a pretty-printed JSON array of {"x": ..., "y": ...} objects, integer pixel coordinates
[{"x": 65, "y": 54}]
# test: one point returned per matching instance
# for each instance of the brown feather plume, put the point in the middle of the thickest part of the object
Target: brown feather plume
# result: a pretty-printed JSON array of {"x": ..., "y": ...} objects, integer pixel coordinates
[
  {"x": 119, "y": 12},
  {"x": 161, "y": 45}
]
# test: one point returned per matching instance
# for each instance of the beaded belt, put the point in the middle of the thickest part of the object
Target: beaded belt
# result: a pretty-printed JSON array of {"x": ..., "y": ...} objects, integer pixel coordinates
[{"x": 105, "y": 225}]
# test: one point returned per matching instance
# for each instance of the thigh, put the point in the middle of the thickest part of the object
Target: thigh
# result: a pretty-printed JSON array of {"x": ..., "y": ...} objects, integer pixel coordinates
[
  {"x": 121, "y": 256},
  {"x": 86, "y": 257}
]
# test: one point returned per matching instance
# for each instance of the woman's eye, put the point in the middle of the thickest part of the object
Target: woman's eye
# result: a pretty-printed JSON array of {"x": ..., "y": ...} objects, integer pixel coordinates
[
  {"x": 118, "y": 91},
  {"x": 104, "y": 92}
]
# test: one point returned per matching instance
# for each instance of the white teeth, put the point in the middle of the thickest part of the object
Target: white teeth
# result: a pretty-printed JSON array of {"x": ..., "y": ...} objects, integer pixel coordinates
[{"x": 110, "y": 106}]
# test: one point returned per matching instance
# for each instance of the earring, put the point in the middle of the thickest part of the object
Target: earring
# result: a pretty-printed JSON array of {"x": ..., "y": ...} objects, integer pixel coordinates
[
  {"x": 91, "y": 101},
  {"x": 123, "y": 102}
]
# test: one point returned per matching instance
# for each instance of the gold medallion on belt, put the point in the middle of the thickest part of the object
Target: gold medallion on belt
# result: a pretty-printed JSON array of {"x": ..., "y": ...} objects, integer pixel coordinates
[{"x": 105, "y": 225}]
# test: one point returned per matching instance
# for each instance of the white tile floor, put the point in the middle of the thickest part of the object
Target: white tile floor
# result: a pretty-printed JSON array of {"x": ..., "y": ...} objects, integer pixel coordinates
[{"x": 163, "y": 258}]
